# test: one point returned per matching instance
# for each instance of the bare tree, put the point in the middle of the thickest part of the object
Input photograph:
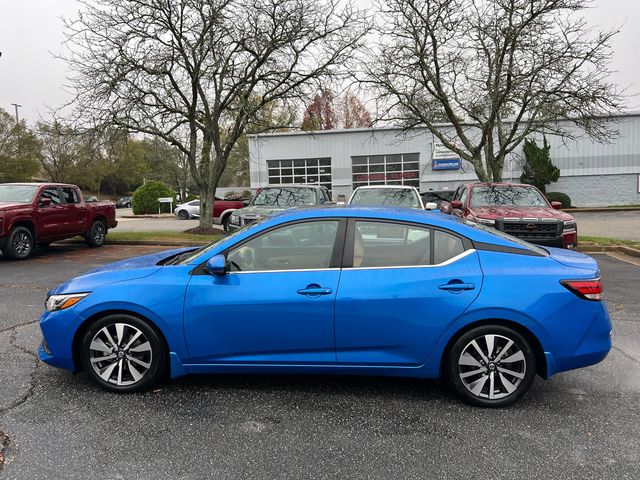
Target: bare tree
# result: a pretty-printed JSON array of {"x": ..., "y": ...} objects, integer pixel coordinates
[
  {"x": 160, "y": 67},
  {"x": 494, "y": 71}
]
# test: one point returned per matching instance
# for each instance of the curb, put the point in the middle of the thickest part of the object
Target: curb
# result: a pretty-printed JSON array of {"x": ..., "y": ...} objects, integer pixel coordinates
[
  {"x": 161, "y": 243},
  {"x": 632, "y": 252},
  {"x": 162, "y": 215},
  {"x": 602, "y": 209}
]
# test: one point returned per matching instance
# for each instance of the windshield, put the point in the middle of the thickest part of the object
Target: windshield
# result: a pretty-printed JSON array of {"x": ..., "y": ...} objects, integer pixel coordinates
[
  {"x": 399, "y": 197},
  {"x": 506, "y": 196},
  {"x": 18, "y": 193},
  {"x": 498, "y": 233},
  {"x": 285, "y": 197}
]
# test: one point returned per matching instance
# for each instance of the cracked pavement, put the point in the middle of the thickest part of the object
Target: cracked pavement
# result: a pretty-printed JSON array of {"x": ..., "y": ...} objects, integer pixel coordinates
[{"x": 54, "y": 424}]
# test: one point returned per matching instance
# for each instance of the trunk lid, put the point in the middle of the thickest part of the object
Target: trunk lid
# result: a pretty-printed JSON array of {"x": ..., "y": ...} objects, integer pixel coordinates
[{"x": 573, "y": 259}]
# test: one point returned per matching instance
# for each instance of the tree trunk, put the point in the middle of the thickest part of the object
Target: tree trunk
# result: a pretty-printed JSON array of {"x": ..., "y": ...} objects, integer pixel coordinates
[
  {"x": 476, "y": 161},
  {"x": 207, "y": 187}
]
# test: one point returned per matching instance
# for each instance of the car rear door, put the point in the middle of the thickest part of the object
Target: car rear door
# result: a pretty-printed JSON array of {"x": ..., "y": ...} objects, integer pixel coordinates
[
  {"x": 74, "y": 210},
  {"x": 402, "y": 286},
  {"x": 275, "y": 305}
]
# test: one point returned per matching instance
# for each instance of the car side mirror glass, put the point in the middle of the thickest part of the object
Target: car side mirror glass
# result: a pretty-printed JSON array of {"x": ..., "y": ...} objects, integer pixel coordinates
[
  {"x": 45, "y": 202},
  {"x": 556, "y": 205},
  {"x": 456, "y": 204},
  {"x": 431, "y": 206},
  {"x": 217, "y": 265}
]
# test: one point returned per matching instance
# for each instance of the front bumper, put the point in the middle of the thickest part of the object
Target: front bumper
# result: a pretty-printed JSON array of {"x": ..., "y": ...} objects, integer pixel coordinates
[{"x": 58, "y": 331}]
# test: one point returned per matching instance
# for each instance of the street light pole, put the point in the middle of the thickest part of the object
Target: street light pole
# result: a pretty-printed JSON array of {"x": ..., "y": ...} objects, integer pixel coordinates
[{"x": 17, "y": 105}]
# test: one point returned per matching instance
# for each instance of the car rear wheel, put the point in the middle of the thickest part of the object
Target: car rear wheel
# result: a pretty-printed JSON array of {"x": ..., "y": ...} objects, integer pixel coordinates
[
  {"x": 225, "y": 223},
  {"x": 123, "y": 354},
  {"x": 183, "y": 215},
  {"x": 491, "y": 366},
  {"x": 19, "y": 243},
  {"x": 97, "y": 234}
]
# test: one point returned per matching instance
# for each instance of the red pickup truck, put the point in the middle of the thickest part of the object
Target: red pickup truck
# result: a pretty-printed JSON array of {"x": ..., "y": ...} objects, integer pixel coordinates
[
  {"x": 40, "y": 213},
  {"x": 516, "y": 209}
]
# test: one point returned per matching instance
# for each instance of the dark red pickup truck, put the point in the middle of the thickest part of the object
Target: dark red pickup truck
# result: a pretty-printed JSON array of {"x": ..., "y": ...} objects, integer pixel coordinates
[
  {"x": 40, "y": 213},
  {"x": 516, "y": 209}
]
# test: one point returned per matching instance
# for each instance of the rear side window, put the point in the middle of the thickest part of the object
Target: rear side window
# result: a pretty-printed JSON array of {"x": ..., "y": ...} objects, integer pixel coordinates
[
  {"x": 70, "y": 195},
  {"x": 384, "y": 244},
  {"x": 446, "y": 246}
]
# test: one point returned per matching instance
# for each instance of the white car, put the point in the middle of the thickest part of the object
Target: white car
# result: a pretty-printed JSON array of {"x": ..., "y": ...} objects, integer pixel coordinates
[
  {"x": 188, "y": 210},
  {"x": 390, "y": 195}
]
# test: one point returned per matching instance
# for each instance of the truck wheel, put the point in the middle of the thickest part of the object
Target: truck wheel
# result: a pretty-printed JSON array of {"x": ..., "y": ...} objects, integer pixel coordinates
[
  {"x": 183, "y": 215},
  {"x": 97, "y": 234},
  {"x": 19, "y": 243},
  {"x": 225, "y": 223}
]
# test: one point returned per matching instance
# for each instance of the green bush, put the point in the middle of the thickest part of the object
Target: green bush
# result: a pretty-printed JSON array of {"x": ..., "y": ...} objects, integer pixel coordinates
[
  {"x": 563, "y": 198},
  {"x": 145, "y": 198}
]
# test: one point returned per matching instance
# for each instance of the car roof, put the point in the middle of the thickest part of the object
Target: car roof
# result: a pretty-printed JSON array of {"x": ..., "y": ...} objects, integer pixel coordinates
[
  {"x": 373, "y": 187},
  {"x": 292, "y": 185},
  {"x": 498, "y": 184},
  {"x": 40, "y": 184}
]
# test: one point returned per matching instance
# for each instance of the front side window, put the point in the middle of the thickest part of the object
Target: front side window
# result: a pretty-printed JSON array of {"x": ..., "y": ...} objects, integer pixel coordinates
[
  {"x": 301, "y": 246},
  {"x": 508, "y": 196},
  {"x": 384, "y": 244},
  {"x": 285, "y": 197},
  {"x": 51, "y": 193}
]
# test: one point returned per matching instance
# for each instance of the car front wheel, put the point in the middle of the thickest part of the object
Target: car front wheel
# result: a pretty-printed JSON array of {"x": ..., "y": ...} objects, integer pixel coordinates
[
  {"x": 183, "y": 215},
  {"x": 19, "y": 243},
  {"x": 123, "y": 353},
  {"x": 491, "y": 366}
]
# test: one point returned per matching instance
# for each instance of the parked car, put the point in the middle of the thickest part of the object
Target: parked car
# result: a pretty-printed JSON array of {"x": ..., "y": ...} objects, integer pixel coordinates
[
  {"x": 40, "y": 213},
  {"x": 343, "y": 290},
  {"x": 276, "y": 198},
  {"x": 124, "y": 202},
  {"x": 387, "y": 195},
  {"x": 222, "y": 209},
  {"x": 439, "y": 197},
  {"x": 519, "y": 210}
]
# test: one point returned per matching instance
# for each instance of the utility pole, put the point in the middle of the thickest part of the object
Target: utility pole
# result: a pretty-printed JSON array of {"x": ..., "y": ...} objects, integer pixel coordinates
[{"x": 17, "y": 105}]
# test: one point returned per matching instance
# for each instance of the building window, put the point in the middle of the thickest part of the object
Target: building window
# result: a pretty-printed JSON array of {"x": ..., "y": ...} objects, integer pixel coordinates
[
  {"x": 312, "y": 171},
  {"x": 397, "y": 169}
]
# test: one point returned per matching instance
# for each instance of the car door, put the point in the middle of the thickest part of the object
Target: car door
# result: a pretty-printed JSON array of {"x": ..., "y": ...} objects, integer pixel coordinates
[
  {"x": 276, "y": 303},
  {"x": 50, "y": 218},
  {"x": 402, "y": 286}
]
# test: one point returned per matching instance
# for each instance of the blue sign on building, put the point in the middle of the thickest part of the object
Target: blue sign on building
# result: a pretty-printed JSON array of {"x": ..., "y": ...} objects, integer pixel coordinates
[{"x": 446, "y": 164}]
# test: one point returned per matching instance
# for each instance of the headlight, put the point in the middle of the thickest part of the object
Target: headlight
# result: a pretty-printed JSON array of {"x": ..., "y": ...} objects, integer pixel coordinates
[
  {"x": 60, "y": 302},
  {"x": 486, "y": 221},
  {"x": 569, "y": 225},
  {"x": 234, "y": 220}
]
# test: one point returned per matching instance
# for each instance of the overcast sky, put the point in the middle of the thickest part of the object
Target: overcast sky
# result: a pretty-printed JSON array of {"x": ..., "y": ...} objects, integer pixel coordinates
[{"x": 31, "y": 35}]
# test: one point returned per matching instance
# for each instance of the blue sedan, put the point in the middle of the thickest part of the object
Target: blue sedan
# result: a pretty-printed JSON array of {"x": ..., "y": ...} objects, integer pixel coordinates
[{"x": 339, "y": 290}]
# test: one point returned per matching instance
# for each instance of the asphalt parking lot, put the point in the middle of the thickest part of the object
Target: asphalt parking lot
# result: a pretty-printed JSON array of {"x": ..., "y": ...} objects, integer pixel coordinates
[{"x": 53, "y": 424}]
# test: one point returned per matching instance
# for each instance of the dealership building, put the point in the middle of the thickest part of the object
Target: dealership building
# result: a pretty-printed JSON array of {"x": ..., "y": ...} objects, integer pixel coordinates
[{"x": 591, "y": 173}]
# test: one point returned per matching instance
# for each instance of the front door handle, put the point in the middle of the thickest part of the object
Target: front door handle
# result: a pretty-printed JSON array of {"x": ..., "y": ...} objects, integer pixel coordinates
[
  {"x": 457, "y": 286},
  {"x": 314, "y": 291}
]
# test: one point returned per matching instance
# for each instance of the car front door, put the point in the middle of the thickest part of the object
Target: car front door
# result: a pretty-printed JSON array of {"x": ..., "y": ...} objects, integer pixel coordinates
[
  {"x": 51, "y": 218},
  {"x": 276, "y": 302},
  {"x": 406, "y": 284}
]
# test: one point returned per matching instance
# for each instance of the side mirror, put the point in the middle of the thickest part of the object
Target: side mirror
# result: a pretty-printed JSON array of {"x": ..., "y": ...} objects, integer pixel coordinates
[
  {"x": 456, "y": 204},
  {"x": 431, "y": 206},
  {"x": 556, "y": 205},
  {"x": 217, "y": 265},
  {"x": 45, "y": 202}
]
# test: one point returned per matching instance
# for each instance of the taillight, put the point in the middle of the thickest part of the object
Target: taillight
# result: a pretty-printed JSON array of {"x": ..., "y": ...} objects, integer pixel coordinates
[{"x": 587, "y": 289}]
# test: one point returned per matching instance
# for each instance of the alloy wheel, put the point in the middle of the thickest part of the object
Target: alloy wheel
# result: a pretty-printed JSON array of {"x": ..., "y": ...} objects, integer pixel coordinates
[
  {"x": 98, "y": 233},
  {"x": 492, "y": 366},
  {"x": 120, "y": 354},
  {"x": 22, "y": 244}
]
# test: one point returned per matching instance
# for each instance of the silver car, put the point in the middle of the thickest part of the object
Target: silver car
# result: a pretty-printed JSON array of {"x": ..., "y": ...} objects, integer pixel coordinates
[{"x": 188, "y": 210}]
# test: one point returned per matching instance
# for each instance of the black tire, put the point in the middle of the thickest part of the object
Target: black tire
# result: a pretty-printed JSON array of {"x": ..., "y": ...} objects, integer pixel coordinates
[
  {"x": 125, "y": 363},
  {"x": 183, "y": 215},
  {"x": 225, "y": 223},
  {"x": 128, "y": 205},
  {"x": 19, "y": 244},
  {"x": 511, "y": 379},
  {"x": 97, "y": 234}
]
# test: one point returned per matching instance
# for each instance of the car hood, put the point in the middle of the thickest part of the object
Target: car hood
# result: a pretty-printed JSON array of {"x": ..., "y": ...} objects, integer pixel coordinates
[
  {"x": 11, "y": 205},
  {"x": 129, "y": 269},
  {"x": 260, "y": 210},
  {"x": 492, "y": 213},
  {"x": 573, "y": 259}
]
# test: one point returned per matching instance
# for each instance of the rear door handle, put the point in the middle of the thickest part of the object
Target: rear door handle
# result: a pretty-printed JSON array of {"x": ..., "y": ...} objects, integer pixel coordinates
[
  {"x": 453, "y": 287},
  {"x": 315, "y": 291}
]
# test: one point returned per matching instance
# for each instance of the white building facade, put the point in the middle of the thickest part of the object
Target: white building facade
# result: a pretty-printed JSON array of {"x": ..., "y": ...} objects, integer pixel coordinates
[{"x": 591, "y": 173}]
